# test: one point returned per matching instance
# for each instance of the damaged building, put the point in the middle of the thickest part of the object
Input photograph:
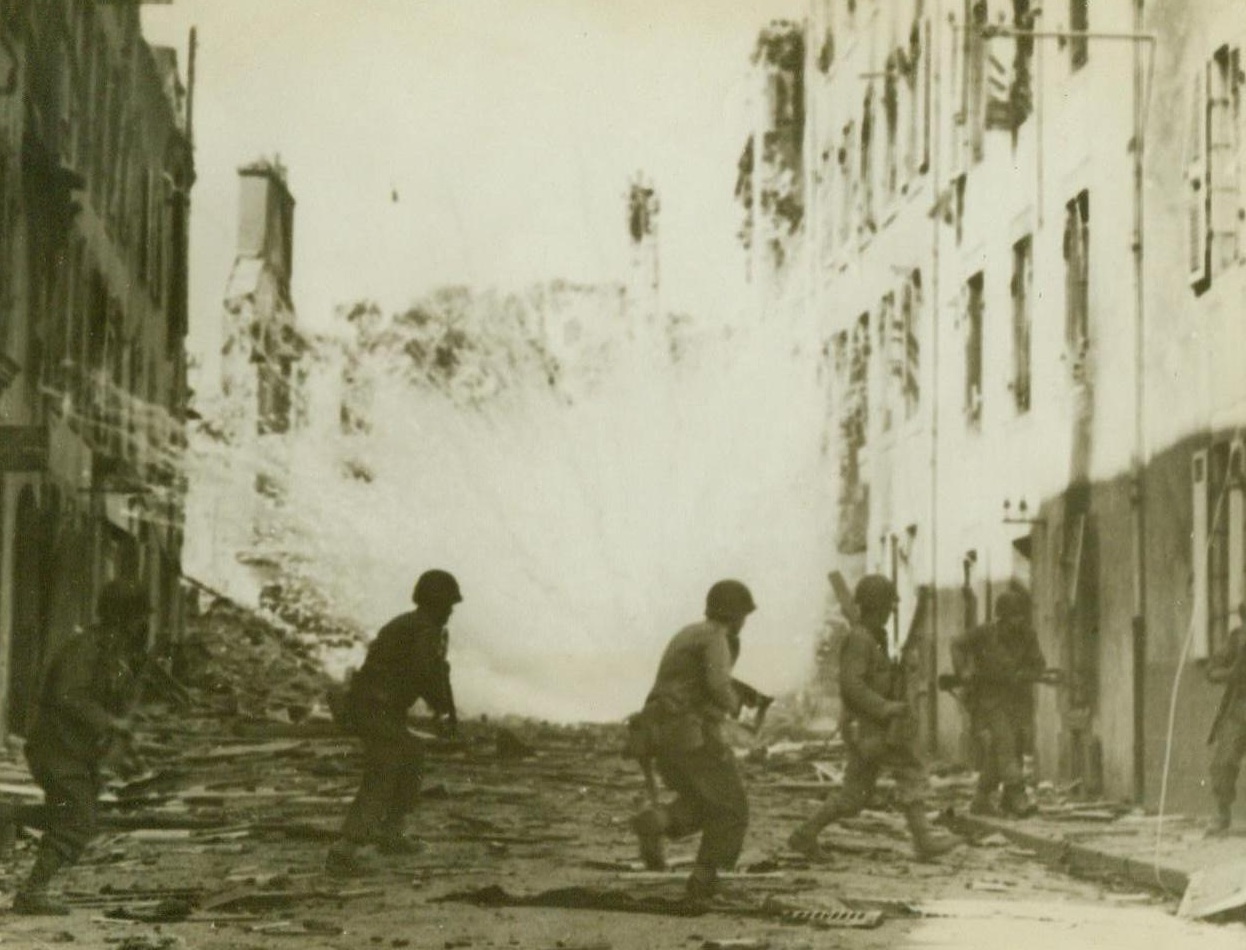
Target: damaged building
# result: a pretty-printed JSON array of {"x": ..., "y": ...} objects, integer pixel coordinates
[
  {"x": 242, "y": 451},
  {"x": 1023, "y": 231},
  {"x": 95, "y": 176}
]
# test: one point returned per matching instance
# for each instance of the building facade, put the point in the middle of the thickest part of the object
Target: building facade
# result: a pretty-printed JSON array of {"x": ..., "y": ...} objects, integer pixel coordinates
[
  {"x": 96, "y": 169},
  {"x": 1023, "y": 234},
  {"x": 241, "y": 452}
]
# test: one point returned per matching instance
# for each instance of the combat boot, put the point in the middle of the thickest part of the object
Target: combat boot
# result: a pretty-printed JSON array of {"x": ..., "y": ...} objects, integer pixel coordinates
[
  {"x": 927, "y": 844},
  {"x": 32, "y": 897},
  {"x": 1219, "y": 826},
  {"x": 702, "y": 885},
  {"x": 983, "y": 805},
  {"x": 35, "y": 902},
  {"x": 650, "y": 828},
  {"x": 804, "y": 840},
  {"x": 1015, "y": 804},
  {"x": 342, "y": 862}
]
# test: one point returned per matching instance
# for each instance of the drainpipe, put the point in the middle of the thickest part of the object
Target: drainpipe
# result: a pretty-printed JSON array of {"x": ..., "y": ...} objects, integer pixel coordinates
[
  {"x": 934, "y": 119},
  {"x": 1138, "y": 487}
]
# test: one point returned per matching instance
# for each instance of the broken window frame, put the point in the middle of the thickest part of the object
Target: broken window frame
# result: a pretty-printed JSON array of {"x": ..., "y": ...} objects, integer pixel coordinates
[
  {"x": 911, "y": 320},
  {"x": 1022, "y": 286},
  {"x": 1223, "y": 154},
  {"x": 1079, "y": 22},
  {"x": 891, "y": 120},
  {"x": 889, "y": 355},
  {"x": 1077, "y": 282},
  {"x": 974, "y": 316}
]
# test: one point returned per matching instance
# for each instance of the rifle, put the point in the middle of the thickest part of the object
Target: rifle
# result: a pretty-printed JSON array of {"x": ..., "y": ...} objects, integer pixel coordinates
[
  {"x": 950, "y": 682},
  {"x": 754, "y": 699}
]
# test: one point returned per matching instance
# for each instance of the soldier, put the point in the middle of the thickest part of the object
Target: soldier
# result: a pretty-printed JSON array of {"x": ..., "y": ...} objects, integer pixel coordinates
[
  {"x": 691, "y": 696},
  {"x": 79, "y": 721},
  {"x": 1228, "y": 731},
  {"x": 998, "y": 663},
  {"x": 406, "y": 662},
  {"x": 877, "y": 729}
]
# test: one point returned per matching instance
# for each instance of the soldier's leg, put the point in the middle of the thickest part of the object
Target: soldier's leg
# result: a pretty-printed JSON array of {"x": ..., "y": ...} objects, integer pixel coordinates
[
  {"x": 715, "y": 783},
  {"x": 725, "y": 816},
  {"x": 366, "y": 815},
  {"x": 70, "y": 791},
  {"x": 407, "y": 764},
  {"x": 1225, "y": 764},
  {"x": 686, "y": 814},
  {"x": 1011, "y": 739},
  {"x": 909, "y": 773},
  {"x": 860, "y": 777},
  {"x": 988, "y": 767}
]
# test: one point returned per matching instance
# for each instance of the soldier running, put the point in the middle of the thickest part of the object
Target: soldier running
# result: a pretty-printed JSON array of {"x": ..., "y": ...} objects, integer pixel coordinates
[
  {"x": 691, "y": 696},
  {"x": 877, "y": 730},
  {"x": 998, "y": 663},
  {"x": 406, "y": 662},
  {"x": 1228, "y": 731},
  {"x": 80, "y": 720}
]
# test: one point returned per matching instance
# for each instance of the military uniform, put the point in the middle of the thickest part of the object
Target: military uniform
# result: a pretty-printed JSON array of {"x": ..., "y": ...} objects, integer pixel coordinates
[
  {"x": 405, "y": 663},
  {"x": 869, "y": 683},
  {"x": 691, "y": 696},
  {"x": 879, "y": 735},
  {"x": 85, "y": 695},
  {"x": 999, "y": 663},
  {"x": 1228, "y": 733},
  {"x": 86, "y": 691}
]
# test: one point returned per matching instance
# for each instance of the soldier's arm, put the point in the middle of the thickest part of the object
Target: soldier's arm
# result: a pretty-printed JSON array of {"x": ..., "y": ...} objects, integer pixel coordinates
[
  {"x": 717, "y": 658},
  {"x": 853, "y": 688},
  {"x": 435, "y": 669}
]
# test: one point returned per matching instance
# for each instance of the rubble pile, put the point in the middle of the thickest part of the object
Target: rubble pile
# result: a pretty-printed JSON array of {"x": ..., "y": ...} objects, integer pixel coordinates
[{"x": 240, "y": 663}]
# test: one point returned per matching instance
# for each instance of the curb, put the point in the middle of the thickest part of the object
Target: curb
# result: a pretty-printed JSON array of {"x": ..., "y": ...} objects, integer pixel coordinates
[{"x": 1076, "y": 859}]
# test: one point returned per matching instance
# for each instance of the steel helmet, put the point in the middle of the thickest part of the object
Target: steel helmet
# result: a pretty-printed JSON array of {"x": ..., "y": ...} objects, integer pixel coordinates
[
  {"x": 436, "y": 588},
  {"x": 1012, "y": 603},
  {"x": 729, "y": 600},
  {"x": 875, "y": 593}
]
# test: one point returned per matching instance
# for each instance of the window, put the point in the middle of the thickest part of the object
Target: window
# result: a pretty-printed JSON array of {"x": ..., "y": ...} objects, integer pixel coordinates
[
  {"x": 1218, "y": 605},
  {"x": 891, "y": 350},
  {"x": 1197, "y": 183},
  {"x": 1079, "y": 22},
  {"x": 1224, "y": 133},
  {"x": 910, "y": 317},
  {"x": 867, "y": 162},
  {"x": 1022, "y": 92},
  {"x": 974, "y": 306},
  {"x": 891, "y": 115},
  {"x": 1077, "y": 280},
  {"x": 974, "y": 88},
  {"x": 847, "y": 184},
  {"x": 1218, "y": 538},
  {"x": 852, "y": 361},
  {"x": 916, "y": 66},
  {"x": 1022, "y": 292}
]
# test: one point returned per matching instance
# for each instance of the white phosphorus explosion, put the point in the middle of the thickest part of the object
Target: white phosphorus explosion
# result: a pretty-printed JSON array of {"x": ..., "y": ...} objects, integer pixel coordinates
[{"x": 585, "y": 518}]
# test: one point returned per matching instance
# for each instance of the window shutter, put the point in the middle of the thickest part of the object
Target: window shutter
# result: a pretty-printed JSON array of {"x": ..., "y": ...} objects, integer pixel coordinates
[
  {"x": 1198, "y": 554},
  {"x": 1197, "y": 181},
  {"x": 1222, "y": 159}
]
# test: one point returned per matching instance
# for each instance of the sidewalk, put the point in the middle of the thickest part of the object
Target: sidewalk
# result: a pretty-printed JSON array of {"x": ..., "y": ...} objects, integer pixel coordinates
[{"x": 1124, "y": 848}]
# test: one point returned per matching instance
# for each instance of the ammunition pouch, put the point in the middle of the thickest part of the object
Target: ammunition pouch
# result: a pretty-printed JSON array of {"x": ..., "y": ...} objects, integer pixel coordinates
[{"x": 658, "y": 729}]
